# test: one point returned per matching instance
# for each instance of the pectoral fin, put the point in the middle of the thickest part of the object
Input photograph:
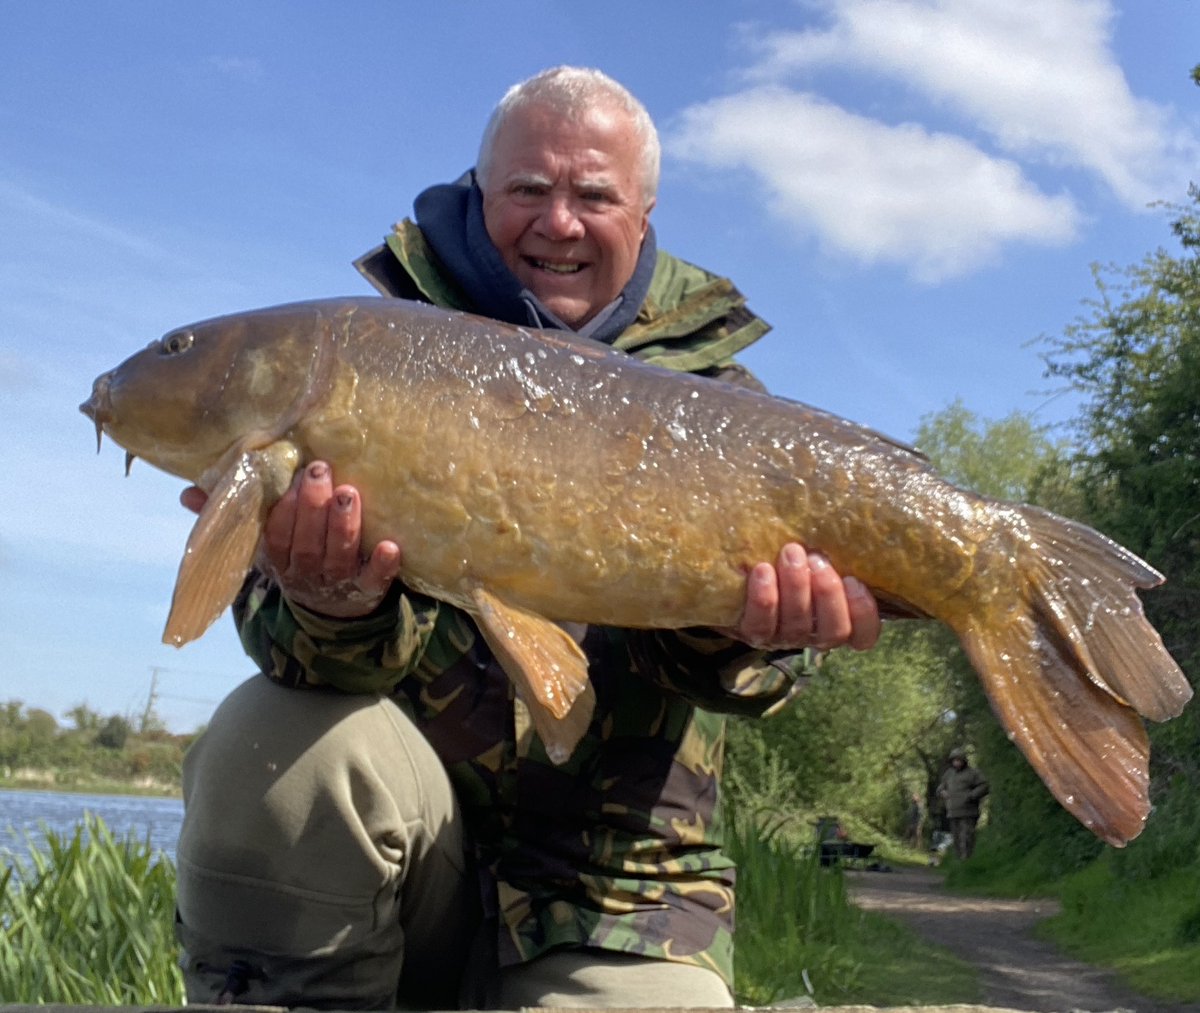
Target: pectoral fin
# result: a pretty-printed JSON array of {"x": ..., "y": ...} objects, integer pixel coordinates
[
  {"x": 221, "y": 547},
  {"x": 547, "y": 667}
]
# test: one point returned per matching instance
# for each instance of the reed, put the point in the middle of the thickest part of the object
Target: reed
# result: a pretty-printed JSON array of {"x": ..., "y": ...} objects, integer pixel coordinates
[
  {"x": 794, "y": 920},
  {"x": 88, "y": 919}
]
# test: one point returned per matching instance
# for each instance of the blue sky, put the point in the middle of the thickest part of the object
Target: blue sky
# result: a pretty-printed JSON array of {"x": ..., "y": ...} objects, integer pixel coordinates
[{"x": 910, "y": 191}]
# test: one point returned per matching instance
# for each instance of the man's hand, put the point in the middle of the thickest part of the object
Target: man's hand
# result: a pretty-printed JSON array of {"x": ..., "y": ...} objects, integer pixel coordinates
[
  {"x": 312, "y": 545},
  {"x": 802, "y": 602}
]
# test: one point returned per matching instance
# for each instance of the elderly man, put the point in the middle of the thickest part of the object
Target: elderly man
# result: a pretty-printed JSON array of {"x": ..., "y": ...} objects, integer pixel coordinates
[{"x": 375, "y": 823}]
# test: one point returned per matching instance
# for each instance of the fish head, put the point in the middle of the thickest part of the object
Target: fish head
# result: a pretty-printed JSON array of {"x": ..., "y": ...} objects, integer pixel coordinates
[{"x": 187, "y": 400}]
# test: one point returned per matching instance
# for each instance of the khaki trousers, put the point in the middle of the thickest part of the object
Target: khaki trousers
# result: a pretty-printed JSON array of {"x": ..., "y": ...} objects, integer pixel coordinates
[{"x": 321, "y": 864}]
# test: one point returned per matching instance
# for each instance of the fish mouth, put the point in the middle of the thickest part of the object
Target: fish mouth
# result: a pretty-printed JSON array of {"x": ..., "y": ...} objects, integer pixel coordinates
[{"x": 98, "y": 407}]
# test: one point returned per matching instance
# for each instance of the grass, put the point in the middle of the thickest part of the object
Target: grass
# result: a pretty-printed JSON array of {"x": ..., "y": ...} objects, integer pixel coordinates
[
  {"x": 89, "y": 919},
  {"x": 1147, "y": 929},
  {"x": 798, "y": 935}
]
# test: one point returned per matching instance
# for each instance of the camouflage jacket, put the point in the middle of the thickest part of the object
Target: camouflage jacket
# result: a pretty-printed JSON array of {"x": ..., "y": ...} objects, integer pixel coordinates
[{"x": 621, "y": 847}]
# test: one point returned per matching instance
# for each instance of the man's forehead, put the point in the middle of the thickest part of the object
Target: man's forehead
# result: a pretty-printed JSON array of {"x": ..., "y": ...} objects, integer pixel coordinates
[{"x": 604, "y": 132}]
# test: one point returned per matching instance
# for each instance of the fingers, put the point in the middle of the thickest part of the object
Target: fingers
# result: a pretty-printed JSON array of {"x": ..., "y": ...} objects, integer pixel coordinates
[
  {"x": 312, "y": 542},
  {"x": 802, "y": 601},
  {"x": 796, "y": 571},
  {"x": 194, "y": 498},
  {"x": 381, "y": 568},
  {"x": 830, "y": 613},
  {"x": 312, "y": 518},
  {"x": 864, "y": 615},
  {"x": 343, "y": 531}
]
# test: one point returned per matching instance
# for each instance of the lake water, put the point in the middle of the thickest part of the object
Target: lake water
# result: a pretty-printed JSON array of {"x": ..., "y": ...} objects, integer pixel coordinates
[{"x": 26, "y": 815}]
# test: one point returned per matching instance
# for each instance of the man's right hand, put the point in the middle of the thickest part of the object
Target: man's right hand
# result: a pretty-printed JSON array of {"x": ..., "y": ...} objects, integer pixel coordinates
[{"x": 312, "y": 546}]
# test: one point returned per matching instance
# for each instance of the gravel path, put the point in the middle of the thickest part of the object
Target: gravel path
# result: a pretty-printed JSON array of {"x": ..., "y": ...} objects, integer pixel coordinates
[{"x": 1017, "y": 971}]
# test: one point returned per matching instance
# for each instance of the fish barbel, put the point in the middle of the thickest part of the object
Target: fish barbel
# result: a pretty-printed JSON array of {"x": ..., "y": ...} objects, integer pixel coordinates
[{"x": 534, "y": 478}]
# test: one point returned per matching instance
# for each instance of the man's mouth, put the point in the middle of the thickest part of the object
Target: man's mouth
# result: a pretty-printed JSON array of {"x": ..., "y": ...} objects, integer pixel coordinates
[{"x": 553, "y": 267}]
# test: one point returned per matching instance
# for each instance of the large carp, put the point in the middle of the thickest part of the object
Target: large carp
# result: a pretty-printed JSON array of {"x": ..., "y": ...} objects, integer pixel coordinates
[{"x": 533, "y": 478}]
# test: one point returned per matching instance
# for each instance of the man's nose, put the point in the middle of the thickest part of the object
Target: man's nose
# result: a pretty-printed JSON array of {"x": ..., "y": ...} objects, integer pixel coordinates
[{"x": 560, "y": 219}]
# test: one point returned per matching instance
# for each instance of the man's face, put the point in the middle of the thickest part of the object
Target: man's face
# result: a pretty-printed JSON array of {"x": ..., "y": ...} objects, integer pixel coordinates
[{"x": 564, "y": 206}]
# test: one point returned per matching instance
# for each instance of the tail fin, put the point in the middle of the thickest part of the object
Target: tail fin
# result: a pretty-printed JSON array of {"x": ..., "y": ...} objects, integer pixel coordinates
[
  {"x": 1084, "y": 584},
  {"x": 1069, "y": 673}
]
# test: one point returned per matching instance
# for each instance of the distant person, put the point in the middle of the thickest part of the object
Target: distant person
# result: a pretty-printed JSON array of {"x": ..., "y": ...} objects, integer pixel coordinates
[
  {"x": 914, "y": 822},
  {"x": 962, "y": 788}
]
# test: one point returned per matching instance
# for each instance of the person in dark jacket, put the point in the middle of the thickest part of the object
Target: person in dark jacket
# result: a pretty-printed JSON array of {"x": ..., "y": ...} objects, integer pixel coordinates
[{"x": 962, "y": 789}]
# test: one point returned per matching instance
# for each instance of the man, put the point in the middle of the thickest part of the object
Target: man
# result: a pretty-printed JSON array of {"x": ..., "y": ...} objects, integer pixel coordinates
[
  {"x": 407, "y": 838},
  {"x": 962, "y": 789},
  {"x": 914, "y": 824}
]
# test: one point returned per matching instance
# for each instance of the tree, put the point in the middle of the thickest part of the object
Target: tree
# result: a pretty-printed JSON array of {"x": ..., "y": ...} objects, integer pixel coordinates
[
  {"x": 1135, "y": 358},
  {"x": 84, "y": 718},
  {"x": 114, "y": 733},
  {"x": 1004, "y": 459}
]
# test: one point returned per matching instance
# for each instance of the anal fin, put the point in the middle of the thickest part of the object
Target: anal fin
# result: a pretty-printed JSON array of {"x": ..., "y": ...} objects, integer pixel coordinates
[{"x": 546, "y": 665}]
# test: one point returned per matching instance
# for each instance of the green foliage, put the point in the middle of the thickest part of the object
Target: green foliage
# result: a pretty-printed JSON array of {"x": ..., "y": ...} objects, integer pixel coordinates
[
  {"x": 89, "y": 920},
  {"x": 774, "y": 879},
  {"x": 1003, "y": 459},
  {"x": 798, "y": 935},
  {"x": 114, "y": 733},
  {"x": 868, "y": 731},
  {"x": 1135, "y": 358},
  {"x": 1148, "y": 929},
  {"x": 98, "y": 753}
]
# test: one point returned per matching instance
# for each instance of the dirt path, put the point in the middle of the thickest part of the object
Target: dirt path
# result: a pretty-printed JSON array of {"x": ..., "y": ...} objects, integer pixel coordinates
[{"x": 1017, "y": 971}]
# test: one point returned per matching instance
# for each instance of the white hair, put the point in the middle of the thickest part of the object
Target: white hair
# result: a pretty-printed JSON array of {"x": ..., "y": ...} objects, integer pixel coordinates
[{"x": 572, "y": 91}]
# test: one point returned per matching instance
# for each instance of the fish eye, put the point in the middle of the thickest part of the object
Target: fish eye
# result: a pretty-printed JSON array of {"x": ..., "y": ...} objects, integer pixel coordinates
[{"x": 176, "y": 343}]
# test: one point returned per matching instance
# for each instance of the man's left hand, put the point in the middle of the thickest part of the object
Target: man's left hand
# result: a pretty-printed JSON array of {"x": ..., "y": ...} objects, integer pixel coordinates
[{"x": 801, "y": 601}]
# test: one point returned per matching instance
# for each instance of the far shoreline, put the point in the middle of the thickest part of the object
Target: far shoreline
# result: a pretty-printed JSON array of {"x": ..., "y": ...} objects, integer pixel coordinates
[{"x": 47, "y": 782}]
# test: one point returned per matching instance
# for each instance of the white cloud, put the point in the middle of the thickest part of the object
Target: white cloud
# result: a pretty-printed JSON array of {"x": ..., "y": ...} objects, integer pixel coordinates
[
  {"x": 892, "y": 194},
  {"x": 992, "y": 94},
  {"x": 1039, "y": 76}
]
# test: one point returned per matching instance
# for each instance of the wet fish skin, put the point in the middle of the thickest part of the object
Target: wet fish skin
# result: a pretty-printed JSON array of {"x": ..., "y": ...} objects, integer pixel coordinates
[{"x": 532, "y": 478}]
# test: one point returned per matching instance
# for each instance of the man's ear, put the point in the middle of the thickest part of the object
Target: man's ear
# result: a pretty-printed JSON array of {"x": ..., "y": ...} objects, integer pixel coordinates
[{"x": 646, "y": 216}]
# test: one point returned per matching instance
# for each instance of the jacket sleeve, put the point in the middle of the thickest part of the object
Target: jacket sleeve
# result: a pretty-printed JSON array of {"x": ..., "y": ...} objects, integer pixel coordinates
[
  {"x": 716, "y": 673},
  {"x": 299, "y": 648}
]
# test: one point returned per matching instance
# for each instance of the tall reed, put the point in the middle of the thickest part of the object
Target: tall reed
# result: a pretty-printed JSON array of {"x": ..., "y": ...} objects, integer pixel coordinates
[
  {"x": 795, "y": 920},
  {"x": 89, "y": 919}
]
